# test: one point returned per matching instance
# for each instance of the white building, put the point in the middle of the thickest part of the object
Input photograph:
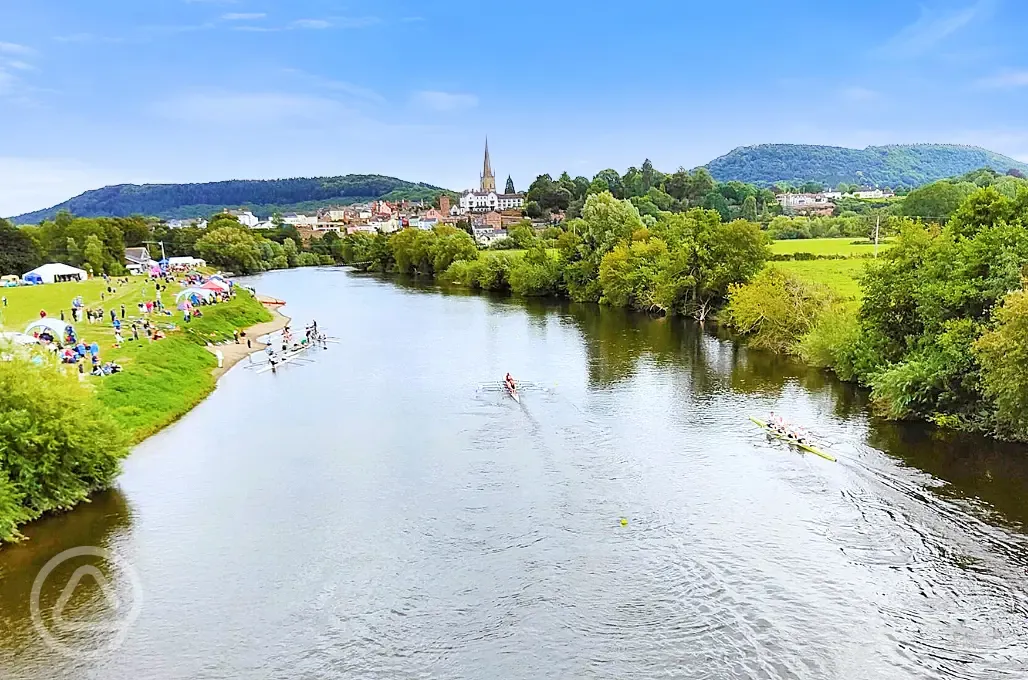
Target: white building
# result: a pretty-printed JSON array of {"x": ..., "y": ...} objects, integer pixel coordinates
[
  {"x": 245, "y": 217},
  {"x": 487, "y": 235},
  {"x": 298, "y": 220},
  {"x": 871, "y": 193},
  {"x": 336, "y": 215},
  {"x": 194, "y": 222},
  {"x": 803, "y": 200}
]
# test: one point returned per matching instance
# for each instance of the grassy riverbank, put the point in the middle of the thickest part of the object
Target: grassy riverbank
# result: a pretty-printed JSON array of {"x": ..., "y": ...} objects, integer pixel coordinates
[
  {"x": 161, "y": 380},
  {"x": 54, "y": 452}
]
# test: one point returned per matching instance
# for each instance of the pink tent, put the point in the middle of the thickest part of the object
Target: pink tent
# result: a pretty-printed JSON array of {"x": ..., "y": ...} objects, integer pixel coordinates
[{"x": 215, "y": 285}]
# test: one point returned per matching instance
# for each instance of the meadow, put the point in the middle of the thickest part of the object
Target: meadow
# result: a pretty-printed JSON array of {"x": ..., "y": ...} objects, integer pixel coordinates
[
  {"x": 847, "y": 247},
  {"x": 161, "y": 380}
]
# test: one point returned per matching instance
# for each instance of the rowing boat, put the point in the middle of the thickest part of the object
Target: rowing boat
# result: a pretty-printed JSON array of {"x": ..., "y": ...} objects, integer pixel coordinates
[
  {"x": 512, "y": 392},
  {"x": 806, "y": 447},
  {"x": 283, "y": 359}
]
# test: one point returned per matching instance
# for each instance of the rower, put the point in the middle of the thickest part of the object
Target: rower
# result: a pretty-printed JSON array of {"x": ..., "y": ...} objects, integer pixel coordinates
[{"x": 510, "y": 382}]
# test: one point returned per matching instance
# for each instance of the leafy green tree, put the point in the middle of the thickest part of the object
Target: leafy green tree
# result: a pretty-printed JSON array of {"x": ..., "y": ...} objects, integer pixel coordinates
[
  {"x": 18, "y": 251},
  {"x": 292, "y": 253},
  {"x": 535, "y": 274},
  {"x": 57, "y": 444},
  {"x": 609, "y": 180},
  {"x": 777, "y": 308},
  {"x": 232, "y": 248},
  {"x": 74, "y": 255},
  {"x": 936, "y": 201},
  {"x": 522, "y": 235},
  {"x": 509, "y": 189},
  {"x": 452, "y": 244},
  {"x": 716, "y": 201},
  {"x": 1003, "y": 354},
  {"x": 749, "y": 209},
  {"x": 629, "y": 274},
  {"x": 93, "y": 254}
]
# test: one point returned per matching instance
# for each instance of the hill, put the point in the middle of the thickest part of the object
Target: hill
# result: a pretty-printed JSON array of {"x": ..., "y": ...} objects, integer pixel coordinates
[
  {"x": 885, "y": 166},
  {"x": 264, "y": 197}
]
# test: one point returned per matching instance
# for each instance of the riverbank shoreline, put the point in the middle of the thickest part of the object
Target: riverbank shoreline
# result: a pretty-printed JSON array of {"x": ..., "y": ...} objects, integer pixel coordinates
[{"x": 234, "y": 352}]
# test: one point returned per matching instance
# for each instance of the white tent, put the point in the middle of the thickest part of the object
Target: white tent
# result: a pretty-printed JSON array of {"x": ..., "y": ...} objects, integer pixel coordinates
[
  {"x": 57, "y": 328},
  {"x": 190, "y": 292},
  {"x": 56, "y": 271}
]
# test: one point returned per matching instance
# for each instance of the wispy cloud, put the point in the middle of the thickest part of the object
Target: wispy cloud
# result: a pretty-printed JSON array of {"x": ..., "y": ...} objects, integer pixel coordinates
[
  {"x": 315, "y": 24},
  {"x": 932, "y": 28},
  {"x": 14, "y": 48},
  {"x": 435, "y": 100},
  {"x": 86, "y": 38},
  {"x": 1007, "y": 80},
  {"x": 243, "y": 16},
  {"x": 857, "y": 94},
  {"x": 248, "y": 108},
  {"x": 412, "y": 20},
  {"x": 356, "y": 22},
  {"x": 330, "y": 85}
]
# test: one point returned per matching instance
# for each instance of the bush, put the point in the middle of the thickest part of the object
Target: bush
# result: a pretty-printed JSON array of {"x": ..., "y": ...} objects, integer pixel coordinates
[
  {"x": 57, "y": 444},
  {"x": 776, "y": 309},
  {"x": 535, "y": 274},
  {"x": 833, "y": 341}
]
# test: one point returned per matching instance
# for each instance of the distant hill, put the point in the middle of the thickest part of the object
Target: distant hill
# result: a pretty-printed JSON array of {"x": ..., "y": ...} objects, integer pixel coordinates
[
  {"x": 264, "y": 197},
  {"x": 908, "y": 164}
]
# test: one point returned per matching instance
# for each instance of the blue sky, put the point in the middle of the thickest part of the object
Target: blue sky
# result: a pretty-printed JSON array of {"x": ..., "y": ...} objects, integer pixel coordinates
[{"x": 93, "y": 93}]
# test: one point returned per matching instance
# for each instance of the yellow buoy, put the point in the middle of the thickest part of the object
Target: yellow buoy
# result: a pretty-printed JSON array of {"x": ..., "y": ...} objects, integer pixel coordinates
[{"x": 624, "y": 522}]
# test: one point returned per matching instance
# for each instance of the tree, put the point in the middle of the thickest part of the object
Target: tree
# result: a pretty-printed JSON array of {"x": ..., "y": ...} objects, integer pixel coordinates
[
  {"x": 937, "y": 200},
  {"x": 522, "y": 235},
  {"x": 233, "y": 248},
  {"x": 1003, "y": 354},
  {"x": 93, "y": 254},
  {"x": 74, "y": 252},
  {"x": 749, "y": 209},
  {"x": 291, "y": 251},
  {"x": 18, "y": 251},
  {"x": 609, "y": 221},
  {"x": 54, "y": 451},
  {"x": 777, "y": 308},
  {"x": 509, "y": 189},
  {"x": 610, "y": 181}
]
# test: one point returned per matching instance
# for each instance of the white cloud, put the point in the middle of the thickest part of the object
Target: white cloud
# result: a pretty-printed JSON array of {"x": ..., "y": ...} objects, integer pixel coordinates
[
  {"x": 37, "y": 183},
  {"x": 14, "y": 48},
  {"x": 20, "y": 65},
  {"x": 857, "y": 94},
  {"x": 1005, "y": 80},
  {"x": 316, "y": 24},
  {"x": 444, "y": 101},
  {"x": 356, "y": 22},
  {"x": 243, "y": 16},
  {"x": 243, "y": 109},
  {"x": 931, "y": 29},
  {"x": 7, "y": 82},
  {"x": 355, "y": 91}
]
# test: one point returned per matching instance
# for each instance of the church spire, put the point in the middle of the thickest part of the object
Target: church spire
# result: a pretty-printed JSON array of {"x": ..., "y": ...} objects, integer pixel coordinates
[{"x": 488, "y": 179}]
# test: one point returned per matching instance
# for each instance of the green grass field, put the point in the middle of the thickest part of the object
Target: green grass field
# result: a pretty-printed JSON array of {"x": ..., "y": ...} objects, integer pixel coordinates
[
  {"x": 161, "y": 380},
  {"x": 842, "y": 276},
  {"x": 848, "y": 247}
]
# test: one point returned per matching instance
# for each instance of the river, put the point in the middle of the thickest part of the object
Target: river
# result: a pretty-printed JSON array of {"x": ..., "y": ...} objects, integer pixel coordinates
[{"x": 386, "y": 512}]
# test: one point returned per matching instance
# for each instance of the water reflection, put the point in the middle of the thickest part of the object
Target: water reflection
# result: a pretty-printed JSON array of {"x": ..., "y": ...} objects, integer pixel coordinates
[{"x": 105, "y": 523}]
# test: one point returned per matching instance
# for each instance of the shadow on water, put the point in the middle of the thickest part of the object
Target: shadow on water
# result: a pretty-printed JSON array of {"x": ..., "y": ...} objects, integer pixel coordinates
[
  {"x": 100, "y": 523},
  {"x": 619, "y": 343}
]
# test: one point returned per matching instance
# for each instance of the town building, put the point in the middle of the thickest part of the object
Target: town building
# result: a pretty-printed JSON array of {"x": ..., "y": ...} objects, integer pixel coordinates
[
  {"x": 298, "y": 220},
  {"x": 192, "y": 222},
  {"x": 245, "y": 217},
  {"x": 486, "y": 199}
]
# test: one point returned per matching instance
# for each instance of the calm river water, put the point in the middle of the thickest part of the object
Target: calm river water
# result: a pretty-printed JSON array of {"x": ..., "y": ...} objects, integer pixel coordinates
[{"x": 378, "y": 513}]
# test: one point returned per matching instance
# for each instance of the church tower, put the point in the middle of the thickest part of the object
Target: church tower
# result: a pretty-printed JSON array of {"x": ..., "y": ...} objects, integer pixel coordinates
[{"x": 488, "y": 180}]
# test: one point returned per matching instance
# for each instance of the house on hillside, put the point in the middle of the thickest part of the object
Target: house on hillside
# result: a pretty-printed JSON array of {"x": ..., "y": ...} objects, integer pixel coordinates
[
  {"x": 245, "y": 217},
  {"x": 140, "y": 257}
]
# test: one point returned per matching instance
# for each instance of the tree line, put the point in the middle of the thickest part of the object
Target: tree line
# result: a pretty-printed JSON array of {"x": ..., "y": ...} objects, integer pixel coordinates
[{"x": 677, "y": 263}]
